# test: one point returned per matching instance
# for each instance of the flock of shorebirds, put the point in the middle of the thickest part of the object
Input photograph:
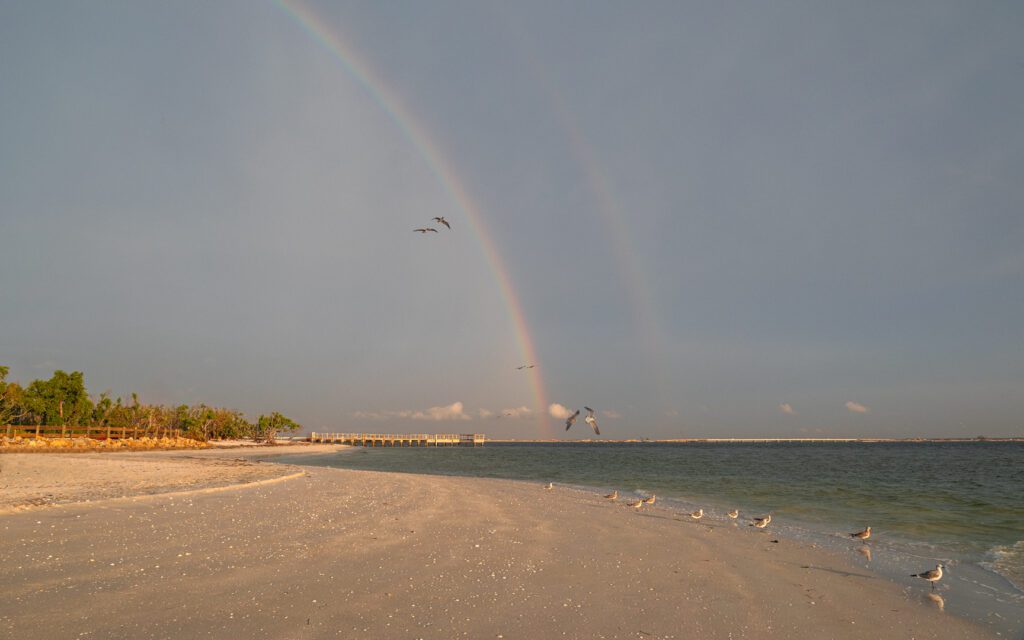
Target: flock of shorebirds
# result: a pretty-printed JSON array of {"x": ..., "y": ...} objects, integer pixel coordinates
[{"x": 932, "y": 576}]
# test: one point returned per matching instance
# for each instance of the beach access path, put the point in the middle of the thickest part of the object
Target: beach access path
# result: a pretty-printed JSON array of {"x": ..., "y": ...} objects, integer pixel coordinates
[{"x": 334, "y": 553}]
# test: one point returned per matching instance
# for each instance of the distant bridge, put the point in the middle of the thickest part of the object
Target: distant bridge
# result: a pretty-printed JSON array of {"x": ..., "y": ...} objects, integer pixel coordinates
[{"x": 401, "y": 439}]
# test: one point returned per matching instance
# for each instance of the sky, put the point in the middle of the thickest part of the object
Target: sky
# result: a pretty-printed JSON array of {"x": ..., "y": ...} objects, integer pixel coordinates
[{"x": 743, "y": 219}]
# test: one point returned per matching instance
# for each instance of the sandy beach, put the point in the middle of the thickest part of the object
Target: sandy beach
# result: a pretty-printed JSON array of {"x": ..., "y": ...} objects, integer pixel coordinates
[{"x": 208, "y": 544}]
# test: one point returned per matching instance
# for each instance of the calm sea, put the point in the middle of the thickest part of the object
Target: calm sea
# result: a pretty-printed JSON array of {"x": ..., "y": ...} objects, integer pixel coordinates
[{"x": 962, "y": 503}]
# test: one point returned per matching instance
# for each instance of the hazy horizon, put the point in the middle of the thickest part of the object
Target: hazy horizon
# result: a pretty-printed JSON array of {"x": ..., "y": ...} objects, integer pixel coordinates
[{"x": 700, "y": 220}]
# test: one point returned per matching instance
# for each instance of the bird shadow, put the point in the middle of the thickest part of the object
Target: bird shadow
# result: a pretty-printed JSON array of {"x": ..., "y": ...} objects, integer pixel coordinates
[{"x": 840, "y": 572}]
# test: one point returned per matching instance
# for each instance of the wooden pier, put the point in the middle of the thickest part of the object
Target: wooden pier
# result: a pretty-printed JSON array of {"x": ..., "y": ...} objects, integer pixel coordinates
[{"x": 401, "y": 439}]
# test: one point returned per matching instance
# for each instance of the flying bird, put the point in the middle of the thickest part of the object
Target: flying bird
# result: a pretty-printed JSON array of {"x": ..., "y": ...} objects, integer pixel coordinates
[
  {"x": 614, "y": 495},
  {"x": 525, "y": 366},
  {"x": 425, "y": 230},
  {"x": 441, "y": 220},
  {"x": 571, "y": 420},
  {"x": 591, "y": 420},
  {"x": 863, "y": 535},
  {"x": 932, "y": 576}
]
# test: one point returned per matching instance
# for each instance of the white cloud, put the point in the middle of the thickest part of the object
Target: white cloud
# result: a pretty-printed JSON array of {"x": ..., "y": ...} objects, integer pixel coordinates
[
  {"x": 785, "y": 407},
  {"x": 558, "y": 411},
  {"x": 611, "y": 414},
  {"x": 518, "y": 412},
  {"x": 484, "y": 413},
  {"x": 672, "y": 413},
  {"x": 453, "y": 411},
  {"x": 857, "y": 407}
]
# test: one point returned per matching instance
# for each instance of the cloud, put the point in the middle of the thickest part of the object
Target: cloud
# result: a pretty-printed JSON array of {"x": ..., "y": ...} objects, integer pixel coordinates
[
  {"x": 785, "y": 407},
  {"x": 558, "y": 411},
  {"x": 453, "y": 411},
  {"x": 857, "y": 407},
  {"x": 518, "y": 412},
  {"x": 484, "y": 413},
  {"x": 611, "y": 414},
  {"x": 672, "y": 413}
]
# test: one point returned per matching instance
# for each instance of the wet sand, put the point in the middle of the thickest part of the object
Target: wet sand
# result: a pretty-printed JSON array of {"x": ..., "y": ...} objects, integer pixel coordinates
[{"x": 335, "y": 553}]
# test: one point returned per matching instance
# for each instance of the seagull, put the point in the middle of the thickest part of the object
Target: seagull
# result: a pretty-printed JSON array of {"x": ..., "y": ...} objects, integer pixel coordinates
[
  {"x": 650, "y": 500},
  {"x": 424, "y": 230},
  {"x": 932, "y": 576},
  {"x": 863, "y": 535},
  {"x": 591, "y": 420},
  {"x": 761, "y": 523},
  {"x": 735, "y": 513},
  {"x": 614, "y": 495},
  {"x": 550, "y": 486},
  {"x": 571, "y": 419},
  {"x": 636, "y": 505},
  {"x": 526, "y": 366},
  {"x": 698, "y": 514},
  {"x": 441, "y": 220}
]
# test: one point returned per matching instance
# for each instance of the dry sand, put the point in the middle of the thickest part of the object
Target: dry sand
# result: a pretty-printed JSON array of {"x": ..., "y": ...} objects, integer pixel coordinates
[{"x": 351, "y": 554}]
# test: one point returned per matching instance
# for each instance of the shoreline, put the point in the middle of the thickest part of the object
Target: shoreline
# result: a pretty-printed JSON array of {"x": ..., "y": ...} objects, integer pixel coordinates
[{"x": 340, "y": 553}]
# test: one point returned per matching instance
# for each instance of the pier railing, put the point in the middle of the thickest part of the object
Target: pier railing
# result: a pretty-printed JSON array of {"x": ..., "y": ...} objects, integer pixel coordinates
[{"x": 401, "y": 439}]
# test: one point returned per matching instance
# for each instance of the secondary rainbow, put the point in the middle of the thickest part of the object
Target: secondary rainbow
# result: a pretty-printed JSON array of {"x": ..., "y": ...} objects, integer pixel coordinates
[{"x": 445, "y": 174}]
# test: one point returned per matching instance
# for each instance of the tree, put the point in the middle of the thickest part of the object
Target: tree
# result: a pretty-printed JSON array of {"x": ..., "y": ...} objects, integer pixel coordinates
[
  {"x": 268, "y": 426},
  {"x": 11, "y": 399},
  {"x": 61, "y": 400}
]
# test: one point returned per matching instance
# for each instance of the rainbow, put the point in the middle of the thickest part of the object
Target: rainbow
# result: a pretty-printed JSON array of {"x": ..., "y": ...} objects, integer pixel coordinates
[{"x": 444, "y": 173}]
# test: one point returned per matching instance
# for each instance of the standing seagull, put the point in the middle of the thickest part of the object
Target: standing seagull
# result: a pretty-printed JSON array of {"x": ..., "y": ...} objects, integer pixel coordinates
[
  {"x": 425, "y": 230},
  {"x": 571, "y": 420},
  {"x": 863, "y": 535},
  {"x": 651, "y": 500},
  {"x": 932, "y": 576},
  {"x": 591, "y": 420},
  {"x": 735, "y": 513},
  {"x": 761, "y": 523},
  {"x": 636, "y": 505},
  {"x": 614, "y": 495},
  {"x": 441, "y": 220},
  {"x": 698, "y": 514},
  {"x": 550, "y": 486}
]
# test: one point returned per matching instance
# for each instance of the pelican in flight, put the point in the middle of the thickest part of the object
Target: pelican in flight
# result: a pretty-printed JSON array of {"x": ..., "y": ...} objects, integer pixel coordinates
[
  {"x": 591, "y": 420},
  {"x": 698, "y": 514},
  {"x": 571, "y": 420},
  {"x": 614, "y": 495},
  {"x": 441, "y": 220},
  {"x": 425, "y": 230},
  {"x": 651, "y": 500},
  {"x": 932, "y": 576},
  {"x": 863, "y": 535},
  {"x": 735, "y": 513},
  {"x": 525, "y": 366},
  {"x": 761, "y": 523}
]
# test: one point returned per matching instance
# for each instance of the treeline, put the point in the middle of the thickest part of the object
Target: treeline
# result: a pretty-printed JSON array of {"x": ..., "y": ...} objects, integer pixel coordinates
[{"x": 63, "y": 401}]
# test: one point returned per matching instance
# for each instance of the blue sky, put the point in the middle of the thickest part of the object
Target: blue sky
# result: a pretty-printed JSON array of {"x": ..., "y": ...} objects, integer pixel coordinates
[{"x": 735, "y": 219}]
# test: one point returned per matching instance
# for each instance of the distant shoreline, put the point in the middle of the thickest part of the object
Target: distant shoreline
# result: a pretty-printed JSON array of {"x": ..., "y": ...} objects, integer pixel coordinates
[{"x": 751, "y": 440}]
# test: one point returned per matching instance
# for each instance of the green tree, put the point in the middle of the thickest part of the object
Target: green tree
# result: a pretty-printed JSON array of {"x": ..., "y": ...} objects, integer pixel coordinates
[
  {"x": 267, "y": 427},
  {"x": 11, "y": 399},
  {"x": 61, "y": 400}
]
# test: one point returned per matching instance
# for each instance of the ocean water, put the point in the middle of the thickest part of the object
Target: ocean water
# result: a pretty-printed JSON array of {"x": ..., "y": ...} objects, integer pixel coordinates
[{"x": 961, "y": 503}]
